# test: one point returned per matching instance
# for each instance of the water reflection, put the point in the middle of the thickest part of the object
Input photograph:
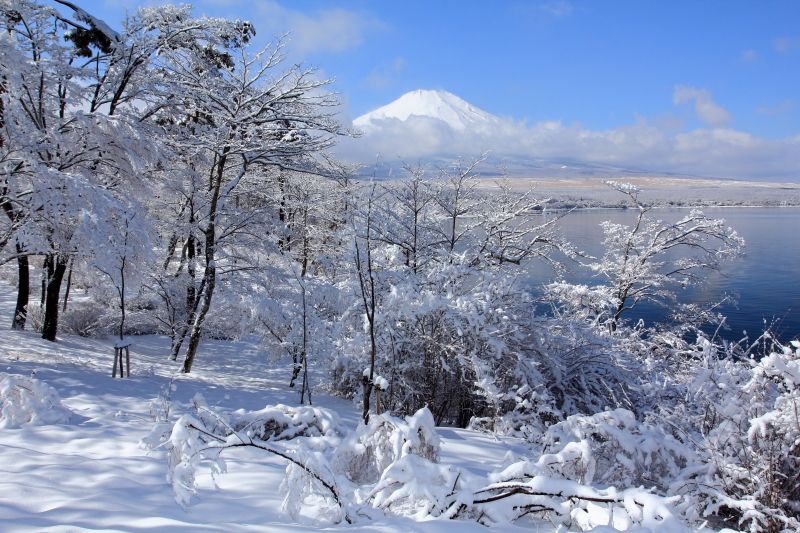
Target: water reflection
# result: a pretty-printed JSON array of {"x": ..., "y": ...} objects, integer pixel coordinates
[{"x": 767, "y": 280}]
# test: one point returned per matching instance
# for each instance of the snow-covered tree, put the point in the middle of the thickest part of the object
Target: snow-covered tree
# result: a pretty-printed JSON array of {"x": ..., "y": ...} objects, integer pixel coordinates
[
  {"x": 59, "y": 160},
  {"x": 642, "y": 261},
  {"x": 238, "y": 116},
  {"x": 120, "y": 255},
  {"x": 434, "y": 277}
]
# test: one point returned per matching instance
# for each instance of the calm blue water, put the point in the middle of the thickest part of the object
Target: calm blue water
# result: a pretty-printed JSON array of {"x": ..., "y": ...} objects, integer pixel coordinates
[{"x": 767, "y": 280}]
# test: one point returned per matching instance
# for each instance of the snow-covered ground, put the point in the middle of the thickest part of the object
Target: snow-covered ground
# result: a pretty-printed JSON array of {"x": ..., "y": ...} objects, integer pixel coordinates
[{"x": 91, "y": 475}]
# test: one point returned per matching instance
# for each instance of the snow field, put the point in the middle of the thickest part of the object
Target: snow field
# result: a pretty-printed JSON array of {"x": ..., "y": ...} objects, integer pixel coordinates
[{"x": 91, "y": 475}]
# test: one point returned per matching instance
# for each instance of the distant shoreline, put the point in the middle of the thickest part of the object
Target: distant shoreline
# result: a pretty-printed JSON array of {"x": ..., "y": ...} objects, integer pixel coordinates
[
  {"x": 624, "y": 208},
  {"x": 663, "y": 192},
  {"x": 558, "y": 204}
]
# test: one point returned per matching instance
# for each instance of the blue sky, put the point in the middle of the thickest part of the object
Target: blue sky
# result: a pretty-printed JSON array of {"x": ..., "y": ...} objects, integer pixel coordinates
[{"x": 676, "y": 66}]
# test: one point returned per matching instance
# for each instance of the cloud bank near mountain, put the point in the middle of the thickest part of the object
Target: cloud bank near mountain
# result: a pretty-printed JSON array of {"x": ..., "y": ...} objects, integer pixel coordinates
[{"x": 425, "y": 126}]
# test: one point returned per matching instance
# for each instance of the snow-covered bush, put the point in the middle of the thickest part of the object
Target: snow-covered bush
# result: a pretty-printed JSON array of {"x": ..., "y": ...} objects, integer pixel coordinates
[
  {"x": 741, "y": 414},
  {"x": 415, "y": 487},
  {"x": 391, "y": 465},
  {"x": 584, "y": 369},
  {"x": 226, "y": 320},
  {"x": 580, "y": 301},
  {"x": 204, "y": 434},
  {"x": 84, "y": 319},
  {"x": 566, "y": 366},
  {"x": 715, "y": 423},
  {"x": 26, "y": 400},
  {"x": 35, "y": 318},
  {"x": 612, "y": 448},
  {"x": 8, "y": 273},
  {"x": 366, "y": 453},
  {"x": 435, "y": 306},
  {"x": 463, "y": 350},
  {"x": 311, "y": 490}
]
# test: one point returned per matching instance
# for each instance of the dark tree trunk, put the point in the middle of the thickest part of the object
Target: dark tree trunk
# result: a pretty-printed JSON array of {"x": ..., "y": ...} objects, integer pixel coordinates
[
  {"x": 57, "y": 267},
  {"x": 46, "y": 269},
  {"x": 191, "y": 297},
  {"x": 367, "y": 393},
  {"x": 66, "y": 292},
  {"x": 184, "y": 330},
  {"x": 191, "y": 292},
  {"x": 210, "y": 279},
  {"x": 283, "y": 245},
  {"x": 23, "y": 291},
  {"x": 295, "y": 366},
  {"x": 121, "y": 302}
]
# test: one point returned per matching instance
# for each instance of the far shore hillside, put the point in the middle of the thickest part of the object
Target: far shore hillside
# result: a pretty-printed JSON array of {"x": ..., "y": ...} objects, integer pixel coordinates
[{"x": 657, "y": 191}]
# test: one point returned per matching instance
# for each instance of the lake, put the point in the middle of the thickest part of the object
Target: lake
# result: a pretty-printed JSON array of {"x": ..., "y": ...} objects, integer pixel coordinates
[{"x": 767, "y": 280}]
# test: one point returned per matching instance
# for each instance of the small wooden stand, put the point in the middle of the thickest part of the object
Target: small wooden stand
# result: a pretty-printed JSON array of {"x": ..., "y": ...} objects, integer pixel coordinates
[{"x": 119, "y": 347}]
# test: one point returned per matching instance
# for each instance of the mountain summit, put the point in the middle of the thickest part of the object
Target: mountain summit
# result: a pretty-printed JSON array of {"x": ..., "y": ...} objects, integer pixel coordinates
[{"x": 441, "y": 105}]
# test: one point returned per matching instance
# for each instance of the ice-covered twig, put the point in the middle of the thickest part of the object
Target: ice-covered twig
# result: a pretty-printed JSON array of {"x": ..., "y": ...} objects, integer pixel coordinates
[{"x": 329, "y": 484}]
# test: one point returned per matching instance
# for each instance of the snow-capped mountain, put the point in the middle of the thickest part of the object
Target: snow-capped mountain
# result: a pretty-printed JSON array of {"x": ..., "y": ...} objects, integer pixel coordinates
[{"x": 441, "y": 105}]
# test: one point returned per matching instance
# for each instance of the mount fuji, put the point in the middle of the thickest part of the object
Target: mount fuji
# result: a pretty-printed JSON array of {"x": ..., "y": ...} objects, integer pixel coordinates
[
  {"x": 438, "y": 126},
  {"x": 441, "y": 105}
]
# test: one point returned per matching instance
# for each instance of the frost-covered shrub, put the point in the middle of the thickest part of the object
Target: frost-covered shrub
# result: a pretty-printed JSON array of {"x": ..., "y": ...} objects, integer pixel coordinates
[
  {"x": 312, "y": 491},
  {"x": 417, "y": 488},
  {"x": 444, "y": 343},
  {"x": 141, "y": 315},
  {"x": 580, "y": 301},
  {"x": 25, "y": 400},
  {"x": 86, "y": 319},
  {"x": 140, "y": 323},
  {"x": 391, "y": 465},
  {"x": 532, "y": 412},
  {"x": 523, "y": 489},
  {"x": 281, "y": 422},
  {"x": 366, "y": 453},
  {"x": 226, "y": 321},
  {"x": 204, "y": 434},
  {"x": 35, "y": 318},
  {"x": 715, "y": 424},
  {"x": 743, "y": 416},
  {"x": 565, "y": 367},
  {"x": 9, "y": 273},
  {"x": 583, "y": 368},
  {"x": 613, "y": 448},
  {"x": 438, "y": 310}
]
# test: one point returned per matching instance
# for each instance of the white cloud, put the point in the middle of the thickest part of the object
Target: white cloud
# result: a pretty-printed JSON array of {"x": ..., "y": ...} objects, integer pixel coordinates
[
  {"x": 669, "y": 122},
  {"x": 385, "y": 74},
  {"x": 749, "y": 56},
  {"x": 712, "y": 152},
  {"x": 707, "y": 110},
  {"x": 560, "y": 8},
  {"x": 785, "y": 106},
  {"x": 786, "y": 44},
  {"x": 328, "y": 29}
]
